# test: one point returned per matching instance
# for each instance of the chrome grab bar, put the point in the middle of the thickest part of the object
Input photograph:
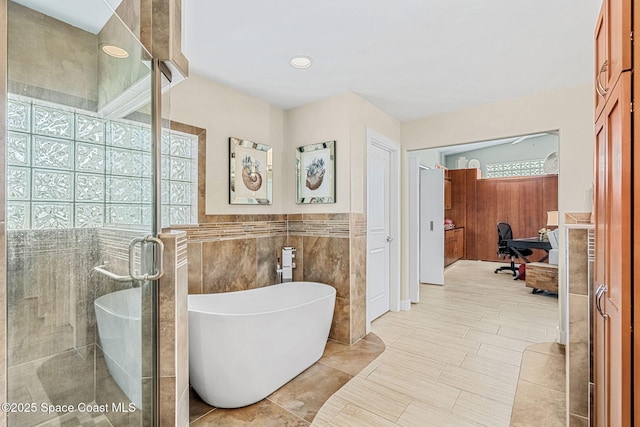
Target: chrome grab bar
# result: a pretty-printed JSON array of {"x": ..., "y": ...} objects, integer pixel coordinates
[{"x": 101, "y": 269}]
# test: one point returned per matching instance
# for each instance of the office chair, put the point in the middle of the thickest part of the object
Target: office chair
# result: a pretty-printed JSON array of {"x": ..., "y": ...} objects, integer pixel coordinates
[{"x": 505, "y": 233}]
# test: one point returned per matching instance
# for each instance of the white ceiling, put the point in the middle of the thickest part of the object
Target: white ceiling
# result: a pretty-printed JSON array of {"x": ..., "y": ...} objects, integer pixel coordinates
[{"x": 411, "y": 58}]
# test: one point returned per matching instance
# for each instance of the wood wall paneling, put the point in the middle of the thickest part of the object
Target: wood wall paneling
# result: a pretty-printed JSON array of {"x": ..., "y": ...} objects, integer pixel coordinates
[
  {"x": 472, "y": 176},
  {"x": 522, "y": 202}
]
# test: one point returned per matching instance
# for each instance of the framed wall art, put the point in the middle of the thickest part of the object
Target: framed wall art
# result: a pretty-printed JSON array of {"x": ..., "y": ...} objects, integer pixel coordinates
[
  {"x": 316, "y": 173},
  {"x": 250, "y": 172}
]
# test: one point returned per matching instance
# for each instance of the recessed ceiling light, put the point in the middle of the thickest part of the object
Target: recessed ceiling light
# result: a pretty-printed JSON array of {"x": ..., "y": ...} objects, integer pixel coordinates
[
  {"x": 301, "y": 62},
  {"x": 115, "y": 51}
]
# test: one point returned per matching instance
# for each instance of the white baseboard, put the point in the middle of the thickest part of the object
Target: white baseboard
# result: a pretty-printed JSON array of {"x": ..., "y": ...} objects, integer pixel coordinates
[{"x": 405, "y": 305}]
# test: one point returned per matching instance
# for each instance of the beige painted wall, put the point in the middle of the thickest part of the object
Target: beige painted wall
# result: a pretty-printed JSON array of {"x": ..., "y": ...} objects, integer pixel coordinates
[
  {"x": 570, "y": 111},
  {"x": 344, "y": 118},
  {"x": 365, "y": 115},
  {"x": 225, "y": 112},
  {"x": 325, "y": 120}
]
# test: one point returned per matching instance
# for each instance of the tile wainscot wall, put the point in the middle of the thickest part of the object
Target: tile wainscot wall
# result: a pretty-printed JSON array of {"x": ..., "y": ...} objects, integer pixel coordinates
[{"x": 238, "y": 252}]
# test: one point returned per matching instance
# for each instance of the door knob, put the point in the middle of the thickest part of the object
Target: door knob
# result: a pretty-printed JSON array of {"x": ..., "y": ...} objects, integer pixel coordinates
[{"x": 389, "y": 239}]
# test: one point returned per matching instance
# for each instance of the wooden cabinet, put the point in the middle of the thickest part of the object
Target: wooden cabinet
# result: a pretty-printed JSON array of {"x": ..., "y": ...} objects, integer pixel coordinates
[
  {"x": 522, "y": 202},
  {"x": 453, "y": 245},
  {"x": 617, "y": 218},
  {"x": 613, "y": 48},
  {"x": 463, "y": 205},
  {"x": 613, "y": 313},
  {"x": 447, "y": 194}
]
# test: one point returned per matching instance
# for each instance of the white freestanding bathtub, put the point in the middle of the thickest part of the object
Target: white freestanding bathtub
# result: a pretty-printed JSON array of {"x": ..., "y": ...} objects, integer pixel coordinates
[
  {"x": 244, "y": 345},
  {"x": 118, "y": 315}
]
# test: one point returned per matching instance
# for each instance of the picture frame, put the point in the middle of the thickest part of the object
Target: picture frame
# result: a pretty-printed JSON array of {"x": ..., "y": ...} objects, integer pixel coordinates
[
  {"x": 250, "y": 172},
  {"x": 316, "y": 173}
]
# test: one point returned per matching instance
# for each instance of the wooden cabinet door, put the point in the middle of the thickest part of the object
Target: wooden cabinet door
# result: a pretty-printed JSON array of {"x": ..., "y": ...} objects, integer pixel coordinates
[
  {"x": 612, "y": 317},
  {"x": 487, "y": 218},
  {"x": 612, "y": 48},
  {"x": 447, "y": 194},
  {"x": 460, "y": 243}
]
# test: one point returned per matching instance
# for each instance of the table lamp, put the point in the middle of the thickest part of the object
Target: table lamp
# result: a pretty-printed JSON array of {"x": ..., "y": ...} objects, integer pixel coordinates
[{"x": 552, "y": 218}]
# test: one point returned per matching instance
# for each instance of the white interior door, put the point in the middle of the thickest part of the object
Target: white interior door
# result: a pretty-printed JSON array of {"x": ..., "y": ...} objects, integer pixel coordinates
[
  {"x": 414, "y": 228},
  {"x": 378, "y": 239},
  {"x": 432, "y": 226}
]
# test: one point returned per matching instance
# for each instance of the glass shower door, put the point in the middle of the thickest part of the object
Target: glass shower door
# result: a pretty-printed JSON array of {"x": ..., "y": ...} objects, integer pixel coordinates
[{"x": 81, "y": 218}]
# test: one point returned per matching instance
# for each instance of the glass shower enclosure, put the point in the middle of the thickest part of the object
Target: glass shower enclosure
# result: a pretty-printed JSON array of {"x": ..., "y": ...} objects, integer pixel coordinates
[{"x": 81, "y": 217}]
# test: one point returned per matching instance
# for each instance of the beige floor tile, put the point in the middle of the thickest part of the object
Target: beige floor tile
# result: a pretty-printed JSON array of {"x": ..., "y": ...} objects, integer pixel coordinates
[
  {"x": 375, "y": 398},
  {"x": 264, "y": 413},
  {"x": 424, "y": 414},
  {"x": 437, "y": 352},
  {"x": 328, "y": 411},
  {"x": 306, "y": 394},
  {"x": 467, "y": 337},
  {"x": 491, "y": 367},
  {"x": 353, "y": 416},
  {"x": 389, "y": 330},
  {"x": 537, "y": 331},
  {"x": 551, "y": 348},
  {"x": 415, "y": 384},
  {"x": 350, "y": 359},
  {"x": 513, "y": 322},
  {"x": 393, "y": 357},
  {"x": 515, "y": 316},
  {"x": 500, "y": 354},
  {"x": 530, "y": 399},
  {"x": 453, "y": 324},
  {"x": 499, "y": 340},
  {"x": 444, "y": 337},
  {"x": 482, "y": 410},
  {"x": 543, "y": 369},
  {"x": 501, "y": 390},
  {"x": 430, "y": 322}
]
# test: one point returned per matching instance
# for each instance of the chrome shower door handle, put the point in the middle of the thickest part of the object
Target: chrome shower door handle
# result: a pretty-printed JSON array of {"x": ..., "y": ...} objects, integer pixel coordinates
[
  {"x": 157, "y": 255},
  {"x": 599, "y": 294}
]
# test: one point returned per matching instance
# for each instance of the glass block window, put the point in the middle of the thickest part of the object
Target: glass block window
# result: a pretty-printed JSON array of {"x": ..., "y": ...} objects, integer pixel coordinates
[
  {"x": 520, "y": 168},
  {"x": 179, "y": 178},
  {"x": 70, "y": 169}
]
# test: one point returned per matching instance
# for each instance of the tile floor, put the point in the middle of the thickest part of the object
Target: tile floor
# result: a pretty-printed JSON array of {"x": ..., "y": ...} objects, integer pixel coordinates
[
  {"x": 459, "y": 358},
  {"x": 540, "y": 397},
  {"x": 455, "y": 359},
  {"x": 297, "y": 402}
]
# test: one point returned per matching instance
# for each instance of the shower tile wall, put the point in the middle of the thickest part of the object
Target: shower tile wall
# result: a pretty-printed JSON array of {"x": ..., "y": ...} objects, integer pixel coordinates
[
  {"x": 51, "y": 334},
  {"x": 234, "y": 252},
  {"x": 579, "y": 239},
  {"x": 53, "y": 348},
  {"x": 237, "y": 252},
  {"x": 173, "y": 357}
]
